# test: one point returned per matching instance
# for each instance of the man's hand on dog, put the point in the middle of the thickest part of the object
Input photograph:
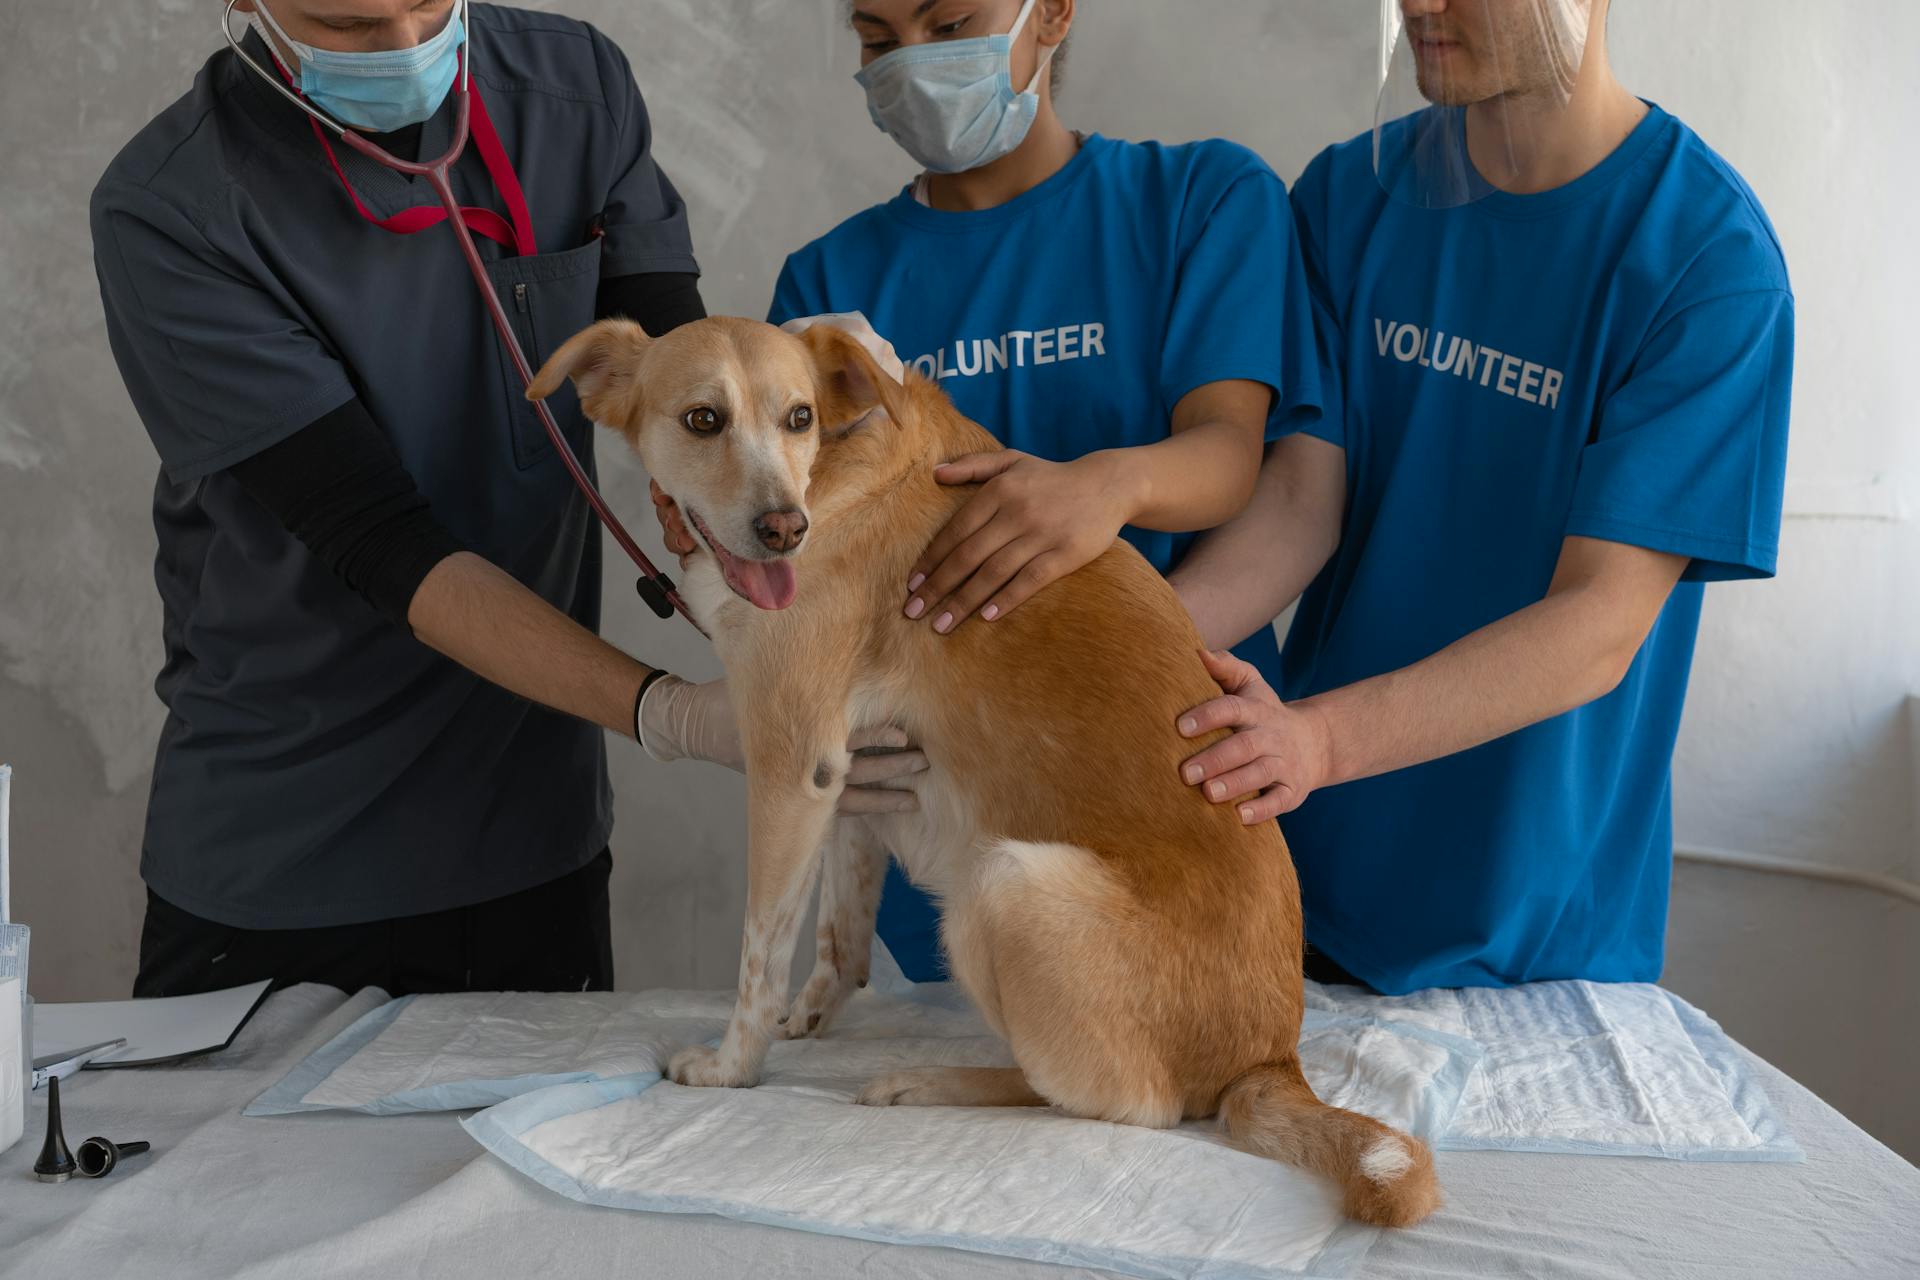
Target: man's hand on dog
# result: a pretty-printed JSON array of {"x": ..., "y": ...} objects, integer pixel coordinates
[
  {"x": 1032, "y": 522},
  {"x": 679, "y": 720},
  {"x": 673, "y": 529},
  {"x": 1278, "y": 754}
]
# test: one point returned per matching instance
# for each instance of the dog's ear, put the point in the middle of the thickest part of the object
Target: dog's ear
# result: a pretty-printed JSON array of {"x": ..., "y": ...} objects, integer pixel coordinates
[
  {"x": 602, "y": 360},
  {"x": 850, "y": 383}
]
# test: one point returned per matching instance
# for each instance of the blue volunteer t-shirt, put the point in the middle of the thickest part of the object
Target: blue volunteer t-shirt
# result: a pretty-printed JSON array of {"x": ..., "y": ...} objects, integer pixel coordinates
[
  {"x": 1611, "y": 359},
  {"x": 1075, "y": 317}
]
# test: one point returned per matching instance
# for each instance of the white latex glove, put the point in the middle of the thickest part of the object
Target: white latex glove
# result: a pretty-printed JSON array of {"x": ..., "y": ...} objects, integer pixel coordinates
[
  {"x": 677, "y": 720},
  {"x": 855, "y": 323}
]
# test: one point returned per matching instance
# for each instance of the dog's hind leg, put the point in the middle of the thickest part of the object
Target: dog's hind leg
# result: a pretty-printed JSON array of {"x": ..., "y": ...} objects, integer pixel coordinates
[
  {"x": 853, "y": 863},
  {"x": 1051, "y": 946},
  {"x": 951, "y": 1087}
]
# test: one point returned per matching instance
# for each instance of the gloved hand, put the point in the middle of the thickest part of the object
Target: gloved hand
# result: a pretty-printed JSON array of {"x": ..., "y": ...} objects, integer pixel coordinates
[
  {"x": 678, "y": 720},
  {"x": 855, "y": 323}
]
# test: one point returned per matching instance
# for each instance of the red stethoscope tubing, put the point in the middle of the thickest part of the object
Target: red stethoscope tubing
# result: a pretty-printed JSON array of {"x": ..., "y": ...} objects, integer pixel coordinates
[{"x": 655, "y": 587}]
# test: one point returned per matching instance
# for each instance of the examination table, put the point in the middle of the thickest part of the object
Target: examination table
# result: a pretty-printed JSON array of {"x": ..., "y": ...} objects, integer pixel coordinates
[{"x": 338, "y": 1194}]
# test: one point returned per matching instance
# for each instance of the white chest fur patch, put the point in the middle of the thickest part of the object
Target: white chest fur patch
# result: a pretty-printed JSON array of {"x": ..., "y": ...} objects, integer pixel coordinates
[{"x": 706, "y": 592}]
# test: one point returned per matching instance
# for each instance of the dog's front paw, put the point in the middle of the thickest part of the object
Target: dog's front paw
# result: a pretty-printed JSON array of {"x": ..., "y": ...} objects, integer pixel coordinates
[
  {"x": 818, "y": 1001},
  {"x": 704, "y": 1067}
]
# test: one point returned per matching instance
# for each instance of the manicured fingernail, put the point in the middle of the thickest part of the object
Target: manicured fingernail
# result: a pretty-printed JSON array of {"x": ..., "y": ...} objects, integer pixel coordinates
[
  {"x": 1217, "y": 789},
  {"x": 991, "y": 612},
  {"x": 916, "y": 607},
  {"x": 943, "y": 623},
  {"x": 913, "y": 583},
  {"x": 1246, "y": 815},
  {"x": 1189, "y": 725},
  {"x": 1193, "y": 773}
]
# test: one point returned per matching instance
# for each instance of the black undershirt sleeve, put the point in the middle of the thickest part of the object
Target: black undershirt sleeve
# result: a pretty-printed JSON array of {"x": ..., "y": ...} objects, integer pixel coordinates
[
  {"x": 659, "y": 300},
  {"x": 338, "y": 486}
]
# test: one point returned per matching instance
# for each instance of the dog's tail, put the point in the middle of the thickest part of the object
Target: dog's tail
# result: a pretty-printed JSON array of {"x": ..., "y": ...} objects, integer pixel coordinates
[{"x": 1387, "y": 1176}]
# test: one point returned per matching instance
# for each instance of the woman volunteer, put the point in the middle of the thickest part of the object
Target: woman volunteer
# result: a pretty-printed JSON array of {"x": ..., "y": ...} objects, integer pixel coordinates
[
  {"x": 1129, "y": 318},
  {"x": 350, "y": 480}
]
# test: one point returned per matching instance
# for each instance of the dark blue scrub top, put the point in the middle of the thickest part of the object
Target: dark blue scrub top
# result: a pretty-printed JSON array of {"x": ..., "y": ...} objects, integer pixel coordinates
[{"x": 318, "y": 765}]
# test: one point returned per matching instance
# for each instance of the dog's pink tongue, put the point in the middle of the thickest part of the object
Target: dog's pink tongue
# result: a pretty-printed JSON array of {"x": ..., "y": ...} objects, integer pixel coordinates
[{"x": 767, "y": 584}]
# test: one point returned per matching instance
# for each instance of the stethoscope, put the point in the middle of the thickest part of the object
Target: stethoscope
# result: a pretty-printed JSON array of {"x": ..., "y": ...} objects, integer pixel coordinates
[{"x": 655, "y": 587}]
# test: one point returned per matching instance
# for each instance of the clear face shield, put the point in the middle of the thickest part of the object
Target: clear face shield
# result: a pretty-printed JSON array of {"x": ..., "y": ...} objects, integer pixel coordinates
[{"x": 1471, "y": 91}]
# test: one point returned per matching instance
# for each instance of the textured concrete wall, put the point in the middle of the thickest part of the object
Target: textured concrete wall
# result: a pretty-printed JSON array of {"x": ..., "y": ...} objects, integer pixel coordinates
[{"x": 1798, "y": 742}]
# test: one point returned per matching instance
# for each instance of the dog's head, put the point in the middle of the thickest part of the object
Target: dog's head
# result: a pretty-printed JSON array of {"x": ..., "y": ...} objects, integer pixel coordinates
[{"x": 727, "y": 415}]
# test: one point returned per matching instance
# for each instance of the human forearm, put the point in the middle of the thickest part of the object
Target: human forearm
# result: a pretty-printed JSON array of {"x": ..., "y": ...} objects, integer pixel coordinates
[
  {"x": 1237, "y": 578},
  {"x": 1203, "y": 473},
  {"x": 485, "y": 620},
  {"x": 1550, "y": 657},
  {"x": 1573, "y": 646},
  {"x": 1193, "y": 480}
]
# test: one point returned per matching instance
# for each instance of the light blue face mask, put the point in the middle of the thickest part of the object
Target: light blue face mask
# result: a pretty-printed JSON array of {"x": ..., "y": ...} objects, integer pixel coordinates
[
  {"x": 381, "y": 91},
  {"x": 950, "y": 104}
]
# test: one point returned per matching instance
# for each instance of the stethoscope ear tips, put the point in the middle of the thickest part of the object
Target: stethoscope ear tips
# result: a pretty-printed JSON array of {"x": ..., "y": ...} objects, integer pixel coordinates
[{"x": 98, "y": 1156}]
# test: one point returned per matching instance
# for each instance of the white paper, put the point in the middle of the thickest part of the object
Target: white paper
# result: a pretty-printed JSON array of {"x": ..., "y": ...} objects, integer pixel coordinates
[
  {"x": 6, "y": 861},
  {"x": 155, "y": 1030},
  {"x": 13, "y": 1085}
]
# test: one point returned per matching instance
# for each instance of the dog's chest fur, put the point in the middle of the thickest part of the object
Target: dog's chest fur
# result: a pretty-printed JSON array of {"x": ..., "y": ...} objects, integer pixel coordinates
[{"x": 934, "y": 845}]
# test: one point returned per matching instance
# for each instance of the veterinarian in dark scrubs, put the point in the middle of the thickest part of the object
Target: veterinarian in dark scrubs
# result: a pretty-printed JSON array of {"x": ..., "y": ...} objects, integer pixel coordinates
[
  {"x": 383, "y": 761},
  {"x": 1130, "y": 318}
]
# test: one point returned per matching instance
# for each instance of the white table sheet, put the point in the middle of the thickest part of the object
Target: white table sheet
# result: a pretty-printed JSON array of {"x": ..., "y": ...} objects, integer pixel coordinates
[{"x": 344, "y": 1194}]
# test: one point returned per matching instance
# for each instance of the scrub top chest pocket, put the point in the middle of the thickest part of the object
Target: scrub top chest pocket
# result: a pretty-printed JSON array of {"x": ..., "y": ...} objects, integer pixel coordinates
[{"x": 549, "y": 297}]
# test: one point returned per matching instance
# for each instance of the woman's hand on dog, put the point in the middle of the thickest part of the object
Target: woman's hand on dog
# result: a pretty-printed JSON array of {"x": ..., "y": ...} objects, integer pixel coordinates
[
  {"x": 1032, "y": 523},
  {"x": 1278, "y": 754}
]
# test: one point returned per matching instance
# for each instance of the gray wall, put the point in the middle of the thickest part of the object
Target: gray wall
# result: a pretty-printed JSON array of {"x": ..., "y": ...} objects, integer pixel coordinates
[{"x": 1800, "y": 739}]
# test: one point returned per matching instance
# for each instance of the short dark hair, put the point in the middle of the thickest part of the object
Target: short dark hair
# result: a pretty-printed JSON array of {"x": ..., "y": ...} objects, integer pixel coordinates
[{"x": 1057, "y": 69}]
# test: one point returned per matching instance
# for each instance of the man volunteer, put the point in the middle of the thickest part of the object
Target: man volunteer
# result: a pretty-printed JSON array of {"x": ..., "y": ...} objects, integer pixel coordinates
[
  {"x": 346, "y": 455},
  {"x": 1559, "y": 335}
]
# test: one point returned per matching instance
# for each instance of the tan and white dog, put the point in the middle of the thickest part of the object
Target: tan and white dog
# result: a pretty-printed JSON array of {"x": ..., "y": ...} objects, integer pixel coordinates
[{"x": 1138, "y": 947}]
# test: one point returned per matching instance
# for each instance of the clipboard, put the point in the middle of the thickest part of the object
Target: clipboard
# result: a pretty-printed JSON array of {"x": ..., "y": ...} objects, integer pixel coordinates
[{"x": 167, "y": 1029}]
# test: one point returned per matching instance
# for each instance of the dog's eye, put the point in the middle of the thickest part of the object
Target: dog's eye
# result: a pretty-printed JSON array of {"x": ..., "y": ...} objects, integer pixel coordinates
[
  {"x": 801, "y": 419},
  {"x": 702, "y": 421}
]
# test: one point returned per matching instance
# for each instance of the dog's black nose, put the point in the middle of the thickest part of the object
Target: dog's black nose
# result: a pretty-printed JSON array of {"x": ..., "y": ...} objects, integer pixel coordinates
[{"x": 781, "y": 530}]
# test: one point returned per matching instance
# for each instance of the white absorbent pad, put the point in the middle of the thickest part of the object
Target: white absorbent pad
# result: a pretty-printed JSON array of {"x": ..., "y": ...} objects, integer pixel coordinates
[
  {"x": 1589, "y": 1068},
  {"x": 1020, "y": 1182},
  {"x": 1569, "y": 1067},
  {"x": 452, "y": 1052},
  {"x": 461, "y": 1051}
]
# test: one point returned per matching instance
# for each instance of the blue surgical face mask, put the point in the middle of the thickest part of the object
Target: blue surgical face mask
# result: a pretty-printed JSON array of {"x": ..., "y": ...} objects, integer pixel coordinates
[
  {"x": 381, "y": 91},
  {"x": 950, "y": 104}
]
